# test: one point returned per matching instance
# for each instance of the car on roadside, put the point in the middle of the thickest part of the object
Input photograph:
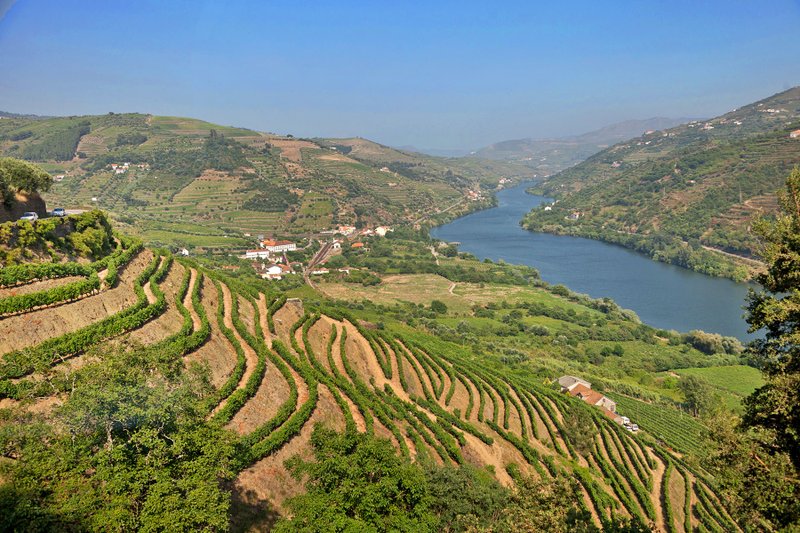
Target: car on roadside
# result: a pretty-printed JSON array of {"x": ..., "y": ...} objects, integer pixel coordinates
[
  {"x": 30, "y": 216},
  {"x": 59, "y": 212}
]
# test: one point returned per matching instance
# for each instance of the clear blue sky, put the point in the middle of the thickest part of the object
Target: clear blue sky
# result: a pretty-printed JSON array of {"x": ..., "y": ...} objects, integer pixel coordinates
[{"x": 455, "y": 74}]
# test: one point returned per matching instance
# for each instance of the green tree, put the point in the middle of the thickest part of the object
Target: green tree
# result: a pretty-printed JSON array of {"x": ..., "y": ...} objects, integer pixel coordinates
[
  {"x": 358, "y": 483},
  {"x": 465, "y": 497},
  {"x": 130, "y": 447},
  {"x": 544, "y": 505},
  {"x": 758, "y": 467},
  {"x": 776, "y": 310},
  {"x": 438, "y": 307},
  {"x": 17, "y": 175},
  {"x": 700, "y": 397}
]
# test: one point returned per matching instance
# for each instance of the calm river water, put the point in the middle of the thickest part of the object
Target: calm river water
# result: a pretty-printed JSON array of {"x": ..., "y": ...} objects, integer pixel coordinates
[{"x": 664, "y": 296}]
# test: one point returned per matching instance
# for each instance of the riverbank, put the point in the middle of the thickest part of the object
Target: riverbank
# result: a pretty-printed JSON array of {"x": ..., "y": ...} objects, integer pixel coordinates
[
  {"x": 663, "y": 295},
  {"x": 664, "y": 248}
]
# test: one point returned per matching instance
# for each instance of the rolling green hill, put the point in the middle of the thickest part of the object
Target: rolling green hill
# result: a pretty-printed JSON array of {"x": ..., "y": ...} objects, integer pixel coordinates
[
  {"x": 186, "y": 389},
  {"x": 198, "y": 184},
  {"x": 685, "y": 195}
]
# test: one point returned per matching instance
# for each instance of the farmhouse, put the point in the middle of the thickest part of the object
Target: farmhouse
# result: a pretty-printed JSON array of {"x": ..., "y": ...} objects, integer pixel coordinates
[
  {"x": 570, "y": 382},
  {"x": 795, "y": 134},
  {"x": 582, "y": 389},
  {"x": 593, "y": 397},
  {"x": 273, "y": 246}
]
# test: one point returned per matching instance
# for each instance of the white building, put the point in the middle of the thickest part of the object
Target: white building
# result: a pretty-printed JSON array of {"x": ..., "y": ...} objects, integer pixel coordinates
[
  {"x": 256, "y": 254},
  {"x": 277, "y": 247}
]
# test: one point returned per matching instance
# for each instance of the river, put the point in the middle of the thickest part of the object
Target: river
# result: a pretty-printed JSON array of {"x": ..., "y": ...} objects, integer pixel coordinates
[{"x": 664, "y": 296}]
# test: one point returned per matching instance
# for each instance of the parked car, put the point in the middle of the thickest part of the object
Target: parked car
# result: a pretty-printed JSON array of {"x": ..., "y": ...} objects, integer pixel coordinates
[
  {"x": 59, "y": 212},
  {"x": 29, "y": 215}
]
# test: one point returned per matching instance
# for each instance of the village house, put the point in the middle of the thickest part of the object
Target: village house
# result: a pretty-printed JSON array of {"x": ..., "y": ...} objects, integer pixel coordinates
[
  {"x": 273, "y": 246},
  {"x": 570, "y": 382},
  {"x": 357, "y": 245},
  {"x": 381, "y": 231},
  {"x": 582, "y": 389},
  {"x": 795, "y": 134},
  {"x": 347, "y": 230},
  {"x": 275, "y": 272}
]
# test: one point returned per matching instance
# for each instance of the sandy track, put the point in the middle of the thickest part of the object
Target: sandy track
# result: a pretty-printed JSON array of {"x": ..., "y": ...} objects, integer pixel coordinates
[
  {"x": 677, "y": 495},
  {"x": 148, "y": 290},
  {"x": 271, "y": 393},
  {"x": 360, "y": 355},
  {"x": 247, "y": 314}
]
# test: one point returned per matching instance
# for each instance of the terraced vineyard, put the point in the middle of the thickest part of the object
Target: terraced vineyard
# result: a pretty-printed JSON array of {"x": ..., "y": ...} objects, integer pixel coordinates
[{"x": 279, "y": 366}]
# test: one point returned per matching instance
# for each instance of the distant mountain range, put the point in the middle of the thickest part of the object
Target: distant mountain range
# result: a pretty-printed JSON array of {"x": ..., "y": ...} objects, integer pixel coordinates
[
  {"x": 549, "y": 156},
  {"x": 682, "y": 193}
]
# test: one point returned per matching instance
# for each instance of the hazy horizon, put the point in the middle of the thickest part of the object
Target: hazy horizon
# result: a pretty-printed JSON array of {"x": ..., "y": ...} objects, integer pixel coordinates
[{"x": 453, "y": 76}]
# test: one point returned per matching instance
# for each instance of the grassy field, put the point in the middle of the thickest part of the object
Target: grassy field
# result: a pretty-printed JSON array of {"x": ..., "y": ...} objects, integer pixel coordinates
[{"x": 737, "y": 379}]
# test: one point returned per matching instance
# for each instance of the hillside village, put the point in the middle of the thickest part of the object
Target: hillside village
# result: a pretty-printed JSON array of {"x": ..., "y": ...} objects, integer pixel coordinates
[{"x": 270, "y": 259}]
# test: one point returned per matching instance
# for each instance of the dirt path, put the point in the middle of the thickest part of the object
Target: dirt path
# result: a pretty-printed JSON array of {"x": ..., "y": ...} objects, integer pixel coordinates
[
  {"x": 336, "y": 354},
  {"x": 262, "y": 318},
  {"x": 677, "y": 495},
  {"x": 427, "y": 381},
  {"x": 251, "y": 359},
  {"x": 435, "y": 255},
  {"x": 358, "y": 418},
  {"x": 187, "y": 301},
  {"x": 748, "y": 260},
  {"x": 148, "y": 290},
  {"x": 370, "y": 361},
  {"x": 452, "y": 287},
  {"x": 655, "y": 494},
  {"x": 590, "y": 505}
]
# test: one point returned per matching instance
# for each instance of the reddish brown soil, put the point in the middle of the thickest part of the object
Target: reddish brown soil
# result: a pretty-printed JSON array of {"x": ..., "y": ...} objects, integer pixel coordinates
[
  {"x": 170, "y": 321},
  {"x": 23, "y": 331},
  {"x": 216, "y": 353},
  {"x": 268, "y": 479}
]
